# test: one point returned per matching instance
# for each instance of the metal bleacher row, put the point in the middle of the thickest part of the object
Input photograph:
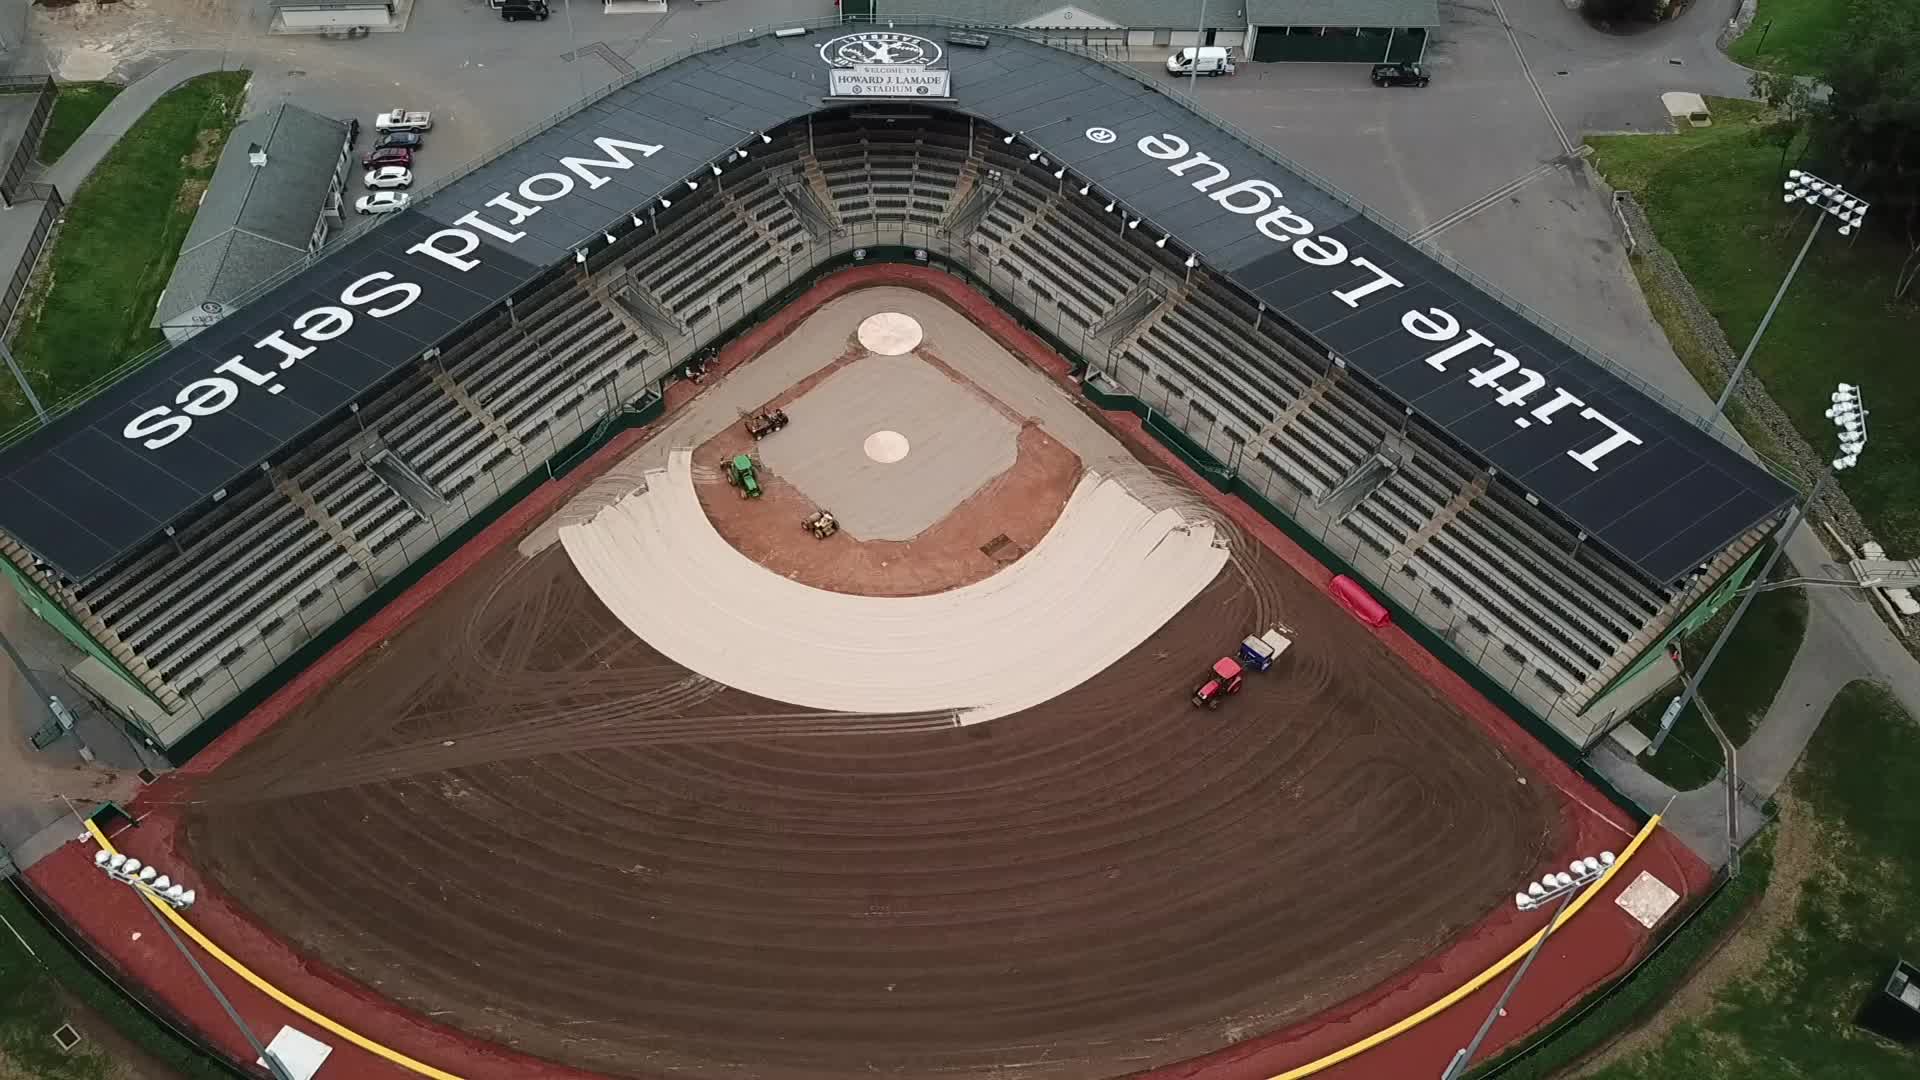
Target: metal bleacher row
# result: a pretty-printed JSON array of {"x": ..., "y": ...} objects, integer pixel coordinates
[{"x": 206, "y": 612}]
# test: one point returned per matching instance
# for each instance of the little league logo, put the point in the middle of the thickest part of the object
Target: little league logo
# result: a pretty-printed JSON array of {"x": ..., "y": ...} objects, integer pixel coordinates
[{"x": 880, "y": 47}]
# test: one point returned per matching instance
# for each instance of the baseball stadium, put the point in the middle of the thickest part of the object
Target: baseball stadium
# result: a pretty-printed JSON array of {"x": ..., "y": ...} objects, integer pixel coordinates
[{"x": 892, "y": 550}]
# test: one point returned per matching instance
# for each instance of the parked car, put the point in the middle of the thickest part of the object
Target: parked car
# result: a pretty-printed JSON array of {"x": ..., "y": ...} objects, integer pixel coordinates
[
  {"x": 412, "y": 140},
  {"x": 1400, "y": 74},
  {"x": 1210, "y": 59},
  {"x": 516, "y": 10},
  {"x": 392, "y": 155},
  {"x": 382, "y": 202},
  {"x": 403, "y": 120},
  {"x": 389, "y": 176}
]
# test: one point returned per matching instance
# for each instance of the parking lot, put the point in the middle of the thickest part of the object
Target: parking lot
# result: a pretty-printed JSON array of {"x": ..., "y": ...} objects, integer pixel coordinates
[{"x": 1423, "y": 157}]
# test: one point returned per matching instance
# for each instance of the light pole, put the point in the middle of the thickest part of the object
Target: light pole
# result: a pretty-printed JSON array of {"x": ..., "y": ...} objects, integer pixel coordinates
[
  {"x": 1199, "y": 35},
  {"x": 1849, "y": 415},
  {"x": 26, "y": 388},
  {"x": 155, "y": 890},
  {"x": 1831, "y": 200},
  {"x": 1563, "y": 886}
]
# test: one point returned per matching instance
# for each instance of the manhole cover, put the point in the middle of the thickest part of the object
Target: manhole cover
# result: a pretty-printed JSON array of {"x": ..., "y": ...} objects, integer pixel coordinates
[{"x": 66, "y": 1037}]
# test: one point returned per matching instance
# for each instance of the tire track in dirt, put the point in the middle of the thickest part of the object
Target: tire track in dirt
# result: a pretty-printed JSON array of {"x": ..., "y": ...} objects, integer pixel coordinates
[{"x": 631, "y": 870}]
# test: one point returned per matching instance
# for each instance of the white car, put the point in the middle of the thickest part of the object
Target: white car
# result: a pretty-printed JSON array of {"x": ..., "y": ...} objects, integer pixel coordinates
[
  {"x": 382, "y": 202},
  {"x": 389, "y": 176},
  {"x": 403, "y": 120}
]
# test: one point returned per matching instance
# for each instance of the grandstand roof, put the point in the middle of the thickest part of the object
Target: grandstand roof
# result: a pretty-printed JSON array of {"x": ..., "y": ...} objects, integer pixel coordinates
[
  {"x": 156, "y": 447},
  {"x": 1343, "y": 12},
  {"x": 256, "y": 220}
]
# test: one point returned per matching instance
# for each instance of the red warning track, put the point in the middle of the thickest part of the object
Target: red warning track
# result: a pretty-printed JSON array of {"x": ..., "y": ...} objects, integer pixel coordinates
[{"x": 286, "y": 851}]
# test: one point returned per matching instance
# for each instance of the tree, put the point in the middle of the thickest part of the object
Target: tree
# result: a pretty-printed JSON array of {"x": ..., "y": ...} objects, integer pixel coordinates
[{"x": 1861, "y": 113}]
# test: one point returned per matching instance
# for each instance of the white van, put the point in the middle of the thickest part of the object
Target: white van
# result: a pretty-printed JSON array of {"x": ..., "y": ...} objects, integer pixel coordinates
[{"x": 1212, "y": 59}]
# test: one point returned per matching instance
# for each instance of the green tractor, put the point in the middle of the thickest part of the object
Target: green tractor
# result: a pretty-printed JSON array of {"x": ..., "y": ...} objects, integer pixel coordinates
[{"x": 740, "y": 474}]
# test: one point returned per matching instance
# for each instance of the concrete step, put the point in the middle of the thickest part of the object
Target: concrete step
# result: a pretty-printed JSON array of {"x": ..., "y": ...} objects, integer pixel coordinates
[
  {"x": 327, "y": 523},
  {"x": 1441, "y": 519}
]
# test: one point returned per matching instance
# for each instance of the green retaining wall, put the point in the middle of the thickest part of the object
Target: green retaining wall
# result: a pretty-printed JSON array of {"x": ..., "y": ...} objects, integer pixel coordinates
[{"x": 1216, "y": 472}]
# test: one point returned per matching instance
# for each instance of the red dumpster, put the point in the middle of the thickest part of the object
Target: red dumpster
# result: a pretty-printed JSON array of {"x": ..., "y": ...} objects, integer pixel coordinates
[{"x": 1358, "y": 602}]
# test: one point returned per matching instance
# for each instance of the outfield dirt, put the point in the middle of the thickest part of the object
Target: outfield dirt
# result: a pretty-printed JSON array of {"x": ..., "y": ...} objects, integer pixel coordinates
[{"x": 519, "y": 820}]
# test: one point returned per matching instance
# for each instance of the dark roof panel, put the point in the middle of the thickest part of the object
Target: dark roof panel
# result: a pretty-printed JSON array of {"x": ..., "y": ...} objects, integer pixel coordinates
[{"x": 1663, "y": 495}]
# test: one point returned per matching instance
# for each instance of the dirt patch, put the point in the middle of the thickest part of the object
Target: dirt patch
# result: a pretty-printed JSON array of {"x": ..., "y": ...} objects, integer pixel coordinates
[
  {"x": 206, "y": 151},
  {"x": 1015, "y": 508},
  {"x": 191, "y": 192}
]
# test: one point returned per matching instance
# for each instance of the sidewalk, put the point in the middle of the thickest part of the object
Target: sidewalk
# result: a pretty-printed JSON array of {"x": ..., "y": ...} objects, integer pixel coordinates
[{"x": 81, "y": 158}]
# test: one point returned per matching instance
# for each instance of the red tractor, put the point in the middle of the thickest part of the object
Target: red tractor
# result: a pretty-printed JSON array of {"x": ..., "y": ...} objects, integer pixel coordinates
[{"x": 1222, "y": 682}]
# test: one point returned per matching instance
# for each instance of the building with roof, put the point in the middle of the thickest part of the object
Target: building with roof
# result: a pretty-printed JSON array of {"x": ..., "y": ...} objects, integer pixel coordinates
[
  {"x": 1545, "y": 519},
  {"x": 275, "y": 196},
  {"x": 351, "y": 18},
  {"x": 1337, "y": 31},
  {"x": 1141, "y": 24},
  {"x": 1340, "y": 31}
]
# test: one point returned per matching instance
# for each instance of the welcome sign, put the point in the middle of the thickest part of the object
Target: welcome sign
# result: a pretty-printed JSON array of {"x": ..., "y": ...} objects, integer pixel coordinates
[{"x": 890, "y": 81}]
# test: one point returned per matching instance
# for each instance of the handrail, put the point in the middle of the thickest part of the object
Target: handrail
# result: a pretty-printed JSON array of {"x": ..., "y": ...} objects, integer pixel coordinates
[{"x": 1727, "y": 438}]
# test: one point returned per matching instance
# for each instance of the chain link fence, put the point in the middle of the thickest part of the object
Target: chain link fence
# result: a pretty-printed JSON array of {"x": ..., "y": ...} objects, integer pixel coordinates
[{"x": 51, "y": 209}]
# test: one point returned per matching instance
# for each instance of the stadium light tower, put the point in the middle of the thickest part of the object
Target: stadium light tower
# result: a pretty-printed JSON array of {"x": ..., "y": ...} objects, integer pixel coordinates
[
  {"x": 1563, "y": 886},
  {"x": 1849, "y": 416},
  {"x": 154, "y": 890},
  {"x": 1833, "y": 201},
  {"x": 1200, "y": 35}
]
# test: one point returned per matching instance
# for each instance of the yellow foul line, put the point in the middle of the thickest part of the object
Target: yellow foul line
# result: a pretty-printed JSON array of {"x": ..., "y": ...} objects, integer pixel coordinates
[
  {"x": 1478, "y": 981},
  {"x": 268, "y": 988},
  {"x": 1312, "y": 1067}
]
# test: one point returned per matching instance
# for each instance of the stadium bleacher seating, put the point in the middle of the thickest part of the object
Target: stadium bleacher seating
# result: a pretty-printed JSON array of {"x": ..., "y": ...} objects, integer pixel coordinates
[{"x": 1517, "y": 592}]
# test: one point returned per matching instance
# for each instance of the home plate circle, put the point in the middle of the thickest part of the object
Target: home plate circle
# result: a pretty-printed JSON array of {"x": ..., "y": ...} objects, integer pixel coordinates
[
  {"x": 886, "y": 447},
  {"x": 890, "y": 334}
]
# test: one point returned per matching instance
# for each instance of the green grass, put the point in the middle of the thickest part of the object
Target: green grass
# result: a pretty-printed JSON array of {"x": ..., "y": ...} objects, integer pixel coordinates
[
  {"x": 1792, "y": 1015},
  {"x": 122, "y": 234},
  {"x": 76, "y": 106},
  {"x": 29, "y": 1009},
  {"x": 1648, "y": 987},
  {"x": 1713, "y": 196},
  {"x": 1800, "y": 30},
  {"x": 1741, "y": 685}
]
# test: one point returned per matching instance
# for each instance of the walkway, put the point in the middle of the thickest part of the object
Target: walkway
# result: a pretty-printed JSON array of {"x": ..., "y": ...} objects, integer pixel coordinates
[
  {"x": 1610, "y": 83},
  {"x": 84, "y": 155}
]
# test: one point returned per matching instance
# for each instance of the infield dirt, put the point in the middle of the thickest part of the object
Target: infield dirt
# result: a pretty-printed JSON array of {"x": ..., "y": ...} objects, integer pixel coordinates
[{"x": 516, "y": 818}]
